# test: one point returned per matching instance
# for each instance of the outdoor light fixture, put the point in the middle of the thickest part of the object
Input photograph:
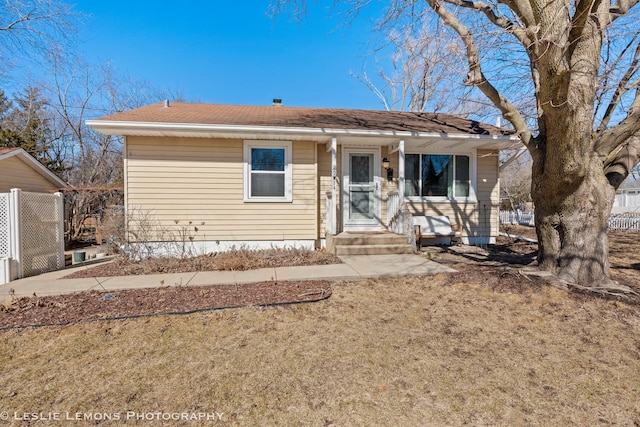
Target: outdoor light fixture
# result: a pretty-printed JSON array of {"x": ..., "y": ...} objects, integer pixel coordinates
[{"x": 385, "y": 164}]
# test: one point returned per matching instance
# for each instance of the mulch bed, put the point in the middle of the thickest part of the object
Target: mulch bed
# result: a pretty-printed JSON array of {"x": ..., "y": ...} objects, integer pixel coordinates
[
  {"x": 239, "y": 260},
  {"x": 94, "y": 305}
]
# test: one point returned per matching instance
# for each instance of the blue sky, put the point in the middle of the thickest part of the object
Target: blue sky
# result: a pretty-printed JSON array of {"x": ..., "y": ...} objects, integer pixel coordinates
[{"x": 232, "y": 52}]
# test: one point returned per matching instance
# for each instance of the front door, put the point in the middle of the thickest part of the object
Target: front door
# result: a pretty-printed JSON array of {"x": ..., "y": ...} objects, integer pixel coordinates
[{"x": 361, "y": 201}]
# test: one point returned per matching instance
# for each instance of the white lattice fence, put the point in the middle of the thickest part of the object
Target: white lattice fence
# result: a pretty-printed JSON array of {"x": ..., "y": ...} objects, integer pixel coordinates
[
  {"x": 4, "y": 225},
  {"x": 41, "y": 235}
]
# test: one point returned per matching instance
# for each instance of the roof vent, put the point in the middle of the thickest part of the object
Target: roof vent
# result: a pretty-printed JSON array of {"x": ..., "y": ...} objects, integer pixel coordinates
[
  {"x": 277, "y": 102},
  {"x": 166, "y": 103}
]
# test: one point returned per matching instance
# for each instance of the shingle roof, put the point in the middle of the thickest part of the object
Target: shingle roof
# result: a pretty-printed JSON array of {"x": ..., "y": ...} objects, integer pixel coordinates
[{"x": 315, "y": 118}]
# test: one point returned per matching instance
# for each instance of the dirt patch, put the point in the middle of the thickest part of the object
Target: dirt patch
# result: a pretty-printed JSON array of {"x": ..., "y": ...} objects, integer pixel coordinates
[{"x": 511, "y": 258}]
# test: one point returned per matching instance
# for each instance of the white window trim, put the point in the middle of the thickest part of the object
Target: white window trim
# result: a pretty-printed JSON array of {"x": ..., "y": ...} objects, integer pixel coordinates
[
  {"x": 288, "y": 175},
  {"x": 473, "y": 178}
]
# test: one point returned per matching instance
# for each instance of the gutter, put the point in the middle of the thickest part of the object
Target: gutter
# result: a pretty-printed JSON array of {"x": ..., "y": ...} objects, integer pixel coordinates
[{"x": 134, "y": 128}]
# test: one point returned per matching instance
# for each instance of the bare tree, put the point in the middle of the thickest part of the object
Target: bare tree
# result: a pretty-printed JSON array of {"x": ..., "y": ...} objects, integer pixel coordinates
[
  {"x": 415, "y": 68},
  {"x": 515, "y": 180},
  {"x": 30, "y": 28},
  {"x": 79, "y": 92},
  {"x": 577, "y": 163},
  {"x": 578, "y": 63}
]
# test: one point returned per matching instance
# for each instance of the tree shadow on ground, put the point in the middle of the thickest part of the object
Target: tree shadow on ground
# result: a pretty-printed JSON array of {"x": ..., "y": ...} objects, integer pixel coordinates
[{"x": 498, "y": 255}]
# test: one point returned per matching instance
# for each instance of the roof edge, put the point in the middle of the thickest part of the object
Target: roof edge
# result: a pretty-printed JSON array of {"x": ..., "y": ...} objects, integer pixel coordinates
[{"x": 126, "y": 128}]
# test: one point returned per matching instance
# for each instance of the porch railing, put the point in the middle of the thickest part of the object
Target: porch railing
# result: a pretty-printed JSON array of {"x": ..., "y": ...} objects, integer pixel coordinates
[
  {"x": 399, "y": 218},
  {"x": 394, "y": 217}
]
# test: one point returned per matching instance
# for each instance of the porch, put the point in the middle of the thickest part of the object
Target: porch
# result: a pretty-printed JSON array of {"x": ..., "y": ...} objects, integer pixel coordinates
[
  {"x": 378, "y": 189},
  {"x": 392, "y": 237}
]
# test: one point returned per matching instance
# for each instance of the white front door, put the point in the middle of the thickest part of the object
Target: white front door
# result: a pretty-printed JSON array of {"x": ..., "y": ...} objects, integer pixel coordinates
[{"x": 361, "y": 189}]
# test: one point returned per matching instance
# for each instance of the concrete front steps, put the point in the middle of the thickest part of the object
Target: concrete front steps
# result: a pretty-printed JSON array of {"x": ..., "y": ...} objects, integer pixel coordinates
[{"x": 354, "y": 243}]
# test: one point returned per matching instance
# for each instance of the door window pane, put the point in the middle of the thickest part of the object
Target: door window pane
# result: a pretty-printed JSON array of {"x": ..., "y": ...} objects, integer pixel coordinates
[
  {"x": 361, "y": 168},
  {"x": 361, "y": 186},
  {"x": 361, "y": 202}
]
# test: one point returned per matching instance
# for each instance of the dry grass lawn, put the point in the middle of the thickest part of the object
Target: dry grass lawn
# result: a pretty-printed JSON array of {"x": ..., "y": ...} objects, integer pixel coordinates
[{"x": 431, "y": 351}]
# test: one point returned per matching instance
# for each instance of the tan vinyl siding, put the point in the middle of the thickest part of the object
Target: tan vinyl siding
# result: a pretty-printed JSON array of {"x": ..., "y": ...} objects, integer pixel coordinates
[
  {"x": 479, "y": 219},
  {"x": 324, "y": 184},
  {"x": 202, "y": 181},
  {"x": 14, "y": 173},
  {"x": 488, "y": 191}
]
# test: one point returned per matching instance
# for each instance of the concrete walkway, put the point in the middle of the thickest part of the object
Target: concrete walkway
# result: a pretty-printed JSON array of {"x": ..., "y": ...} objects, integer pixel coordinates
[{"x": 355, "y": 267}]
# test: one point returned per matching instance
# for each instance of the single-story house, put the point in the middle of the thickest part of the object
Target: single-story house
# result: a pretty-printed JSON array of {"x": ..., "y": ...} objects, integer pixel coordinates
[
  {"x": 263, "y": 176},
  {"x": 18, "y": 169}
]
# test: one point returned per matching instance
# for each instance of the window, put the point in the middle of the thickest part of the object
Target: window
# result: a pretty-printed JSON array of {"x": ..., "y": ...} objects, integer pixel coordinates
[
  {"x": 437, "y": 175},
  {"x": 267, "y": 171}
]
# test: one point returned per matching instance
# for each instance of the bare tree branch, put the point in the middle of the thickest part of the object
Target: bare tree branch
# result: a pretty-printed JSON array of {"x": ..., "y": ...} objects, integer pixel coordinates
[
  {"x": 621, "y": 164},
  {"x": 584, "y": 9},
  {"x": 477, "y": 78},
  {"x": 373, "y": 88},
  {"x": 620, "y": 8},
  {"x": 511, "y": 27},
  {"x": 612, "y": 139},
  {"x": 623, "y": 85},
  {"x": 36, "y": 24},
  {"x": 524, "y": 12},
  {"x": 419, "y": 70}
]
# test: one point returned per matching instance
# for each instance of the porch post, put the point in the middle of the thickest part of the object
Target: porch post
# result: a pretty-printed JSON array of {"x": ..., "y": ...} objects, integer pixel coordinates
[
  {"x": 401, "y": 170},
  {"x": 334, "y": 184}
]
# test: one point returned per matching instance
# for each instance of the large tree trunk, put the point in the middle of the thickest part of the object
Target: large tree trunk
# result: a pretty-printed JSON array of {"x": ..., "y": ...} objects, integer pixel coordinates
[
  {"x": 571, "y": 193},
  {"x": 571, "y": 224}
]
